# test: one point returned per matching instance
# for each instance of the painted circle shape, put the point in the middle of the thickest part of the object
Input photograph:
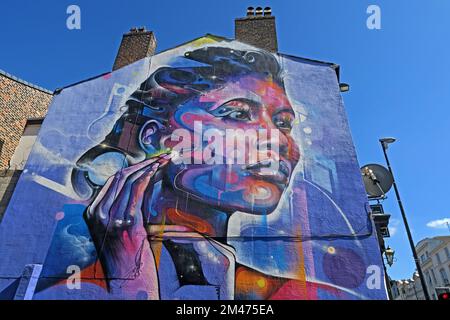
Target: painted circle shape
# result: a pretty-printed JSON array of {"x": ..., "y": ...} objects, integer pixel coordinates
[{"x": 344, "y": 267}]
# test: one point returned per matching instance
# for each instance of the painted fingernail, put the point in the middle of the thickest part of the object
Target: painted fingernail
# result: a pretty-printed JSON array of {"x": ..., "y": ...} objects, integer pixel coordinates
[
  {"x": 155, "y": 166},
  {"x": 167, "y": 156}
]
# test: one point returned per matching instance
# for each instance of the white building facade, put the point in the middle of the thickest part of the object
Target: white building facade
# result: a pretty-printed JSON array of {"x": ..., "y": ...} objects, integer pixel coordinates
[
  {"x": 434, "y": 257},
  {"x": 408, "y": 289}
]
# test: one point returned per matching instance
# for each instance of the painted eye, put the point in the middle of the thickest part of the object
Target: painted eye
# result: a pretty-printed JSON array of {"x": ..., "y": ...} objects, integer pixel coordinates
[
  {"x": 234, "y": 110},
  {"x": 284, "y": 123},
  {"x": 241, "y": 115}
]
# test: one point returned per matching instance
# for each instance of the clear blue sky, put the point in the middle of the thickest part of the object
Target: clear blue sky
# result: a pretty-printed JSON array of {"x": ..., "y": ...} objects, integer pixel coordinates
[{"x": 399, "y": 75}]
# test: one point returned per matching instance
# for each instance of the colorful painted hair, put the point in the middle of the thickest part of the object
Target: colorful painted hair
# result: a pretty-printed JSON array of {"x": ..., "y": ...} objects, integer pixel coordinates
[{"x": 164, "y": 90}]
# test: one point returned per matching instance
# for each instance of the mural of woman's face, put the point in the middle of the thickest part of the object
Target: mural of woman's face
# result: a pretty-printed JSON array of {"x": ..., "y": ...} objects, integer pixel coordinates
[{"x": 254, "y": 179}]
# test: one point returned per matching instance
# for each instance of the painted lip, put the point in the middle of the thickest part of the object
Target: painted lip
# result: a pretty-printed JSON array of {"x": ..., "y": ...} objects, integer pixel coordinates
[{"x": 262, "y": 169}]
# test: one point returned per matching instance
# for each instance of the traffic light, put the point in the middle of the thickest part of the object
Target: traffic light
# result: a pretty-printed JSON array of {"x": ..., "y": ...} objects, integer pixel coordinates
[
  {"x": 444, "y": 296},
  {"x": 443, "y": 293}
]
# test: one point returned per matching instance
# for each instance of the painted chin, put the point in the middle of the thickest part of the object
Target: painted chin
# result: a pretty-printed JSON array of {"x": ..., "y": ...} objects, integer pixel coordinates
[{"x": 262, "y": 196}]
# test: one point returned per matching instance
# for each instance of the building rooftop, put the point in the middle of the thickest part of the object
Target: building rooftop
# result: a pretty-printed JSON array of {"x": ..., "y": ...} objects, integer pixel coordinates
[
  {"x": 425, "y": 241},
  {"x": 332, "y": 65},
  {"x": 14, "y": 78}
]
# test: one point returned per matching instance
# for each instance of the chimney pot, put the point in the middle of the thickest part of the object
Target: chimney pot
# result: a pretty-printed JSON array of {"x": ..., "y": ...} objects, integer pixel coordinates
[
  {"x": 259, "y": 11},
  {"x": 250, "y": 11},
  {"x": 267, "y": 11}
]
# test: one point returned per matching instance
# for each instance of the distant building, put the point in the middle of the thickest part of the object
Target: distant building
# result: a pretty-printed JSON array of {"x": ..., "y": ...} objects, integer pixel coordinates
[
  {"x": 434, "y": 257},
  {"x": 407, "y": 289}
]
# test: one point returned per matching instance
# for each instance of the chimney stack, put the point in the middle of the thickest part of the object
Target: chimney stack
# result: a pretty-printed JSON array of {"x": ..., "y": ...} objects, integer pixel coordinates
[
  {"x": 257, "y": 29},
  {"x": 137, "y": 44}
]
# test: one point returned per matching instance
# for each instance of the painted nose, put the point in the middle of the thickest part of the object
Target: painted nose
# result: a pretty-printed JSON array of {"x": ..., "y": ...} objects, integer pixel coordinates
[{"x": 276, "y": 139}]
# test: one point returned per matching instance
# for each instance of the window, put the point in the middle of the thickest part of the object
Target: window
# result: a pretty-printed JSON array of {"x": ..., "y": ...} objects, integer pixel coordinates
[
  {"x": 444, "y": 276},
  {"x": 438, "y": 258},
  {"x": 26, "y": 142},
  {"x": 434, "y": 276},
  {"x": 429, "y": 278},
  {"x": 396, "y": 291},
  {"x": 422, "y": 258},
  {"x": 447, "y": 252}
]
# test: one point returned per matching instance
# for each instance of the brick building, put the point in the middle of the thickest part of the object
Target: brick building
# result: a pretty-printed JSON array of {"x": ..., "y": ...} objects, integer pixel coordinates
[
  {"x": 22, "y": 107},
  {"x": 19, "y": 101}
]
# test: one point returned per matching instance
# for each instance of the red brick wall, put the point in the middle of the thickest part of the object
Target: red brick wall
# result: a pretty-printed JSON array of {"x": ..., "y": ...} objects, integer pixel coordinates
[
  {"x": 135, "y": 45},
  {"x": 18, "y": 102}
]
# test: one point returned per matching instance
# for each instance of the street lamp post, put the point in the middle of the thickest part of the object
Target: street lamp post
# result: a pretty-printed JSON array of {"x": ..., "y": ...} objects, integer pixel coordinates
[
  {"x": 388, "y": 282},
  {"x": 384, "y": 144}
]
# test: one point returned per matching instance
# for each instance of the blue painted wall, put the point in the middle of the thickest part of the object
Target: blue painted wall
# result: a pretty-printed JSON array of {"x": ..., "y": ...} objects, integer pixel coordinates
[{"x": 306, "y": 235}]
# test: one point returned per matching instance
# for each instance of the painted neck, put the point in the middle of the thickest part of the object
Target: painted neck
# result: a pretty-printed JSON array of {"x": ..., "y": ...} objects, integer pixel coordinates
[{"x": 172, "y": 208}]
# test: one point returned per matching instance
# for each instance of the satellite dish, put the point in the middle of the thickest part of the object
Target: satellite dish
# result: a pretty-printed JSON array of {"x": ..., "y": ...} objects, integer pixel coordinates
[{"x": 377, "y": 180}]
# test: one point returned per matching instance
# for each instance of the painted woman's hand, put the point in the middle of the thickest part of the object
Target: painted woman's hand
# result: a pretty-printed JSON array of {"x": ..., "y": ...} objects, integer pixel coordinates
[{"x": 116, "y": 223}]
